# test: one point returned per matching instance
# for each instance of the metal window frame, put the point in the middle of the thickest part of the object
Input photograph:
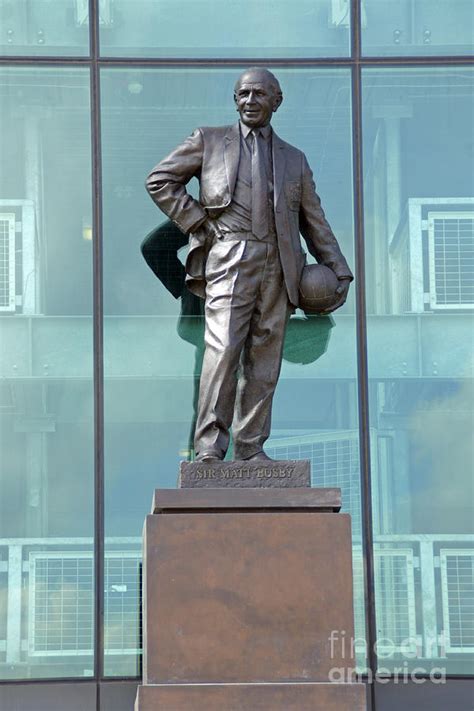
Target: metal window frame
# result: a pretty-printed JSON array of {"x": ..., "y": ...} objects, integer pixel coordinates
[{"x": 356, "y": 62}]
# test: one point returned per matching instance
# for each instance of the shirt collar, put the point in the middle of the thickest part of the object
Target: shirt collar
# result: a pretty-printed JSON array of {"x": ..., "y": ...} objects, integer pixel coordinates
[{"x": 265, "y": 131}]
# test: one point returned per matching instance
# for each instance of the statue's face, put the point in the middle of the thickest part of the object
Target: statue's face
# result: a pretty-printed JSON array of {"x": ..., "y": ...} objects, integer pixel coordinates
[{"x": 255, "y": 100}]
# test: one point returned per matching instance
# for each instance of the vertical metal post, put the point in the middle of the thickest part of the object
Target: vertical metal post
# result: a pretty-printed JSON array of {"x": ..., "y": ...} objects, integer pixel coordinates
[
  {"x": 362, "y": 366},
  {"x": 98, "y": 347}
]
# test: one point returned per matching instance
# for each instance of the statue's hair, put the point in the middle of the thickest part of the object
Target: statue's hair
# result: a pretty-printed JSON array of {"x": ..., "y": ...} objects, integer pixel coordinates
[{"x": 269, "y": 77}]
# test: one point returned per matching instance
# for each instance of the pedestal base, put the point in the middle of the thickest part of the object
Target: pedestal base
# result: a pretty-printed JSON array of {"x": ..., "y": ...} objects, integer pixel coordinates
[
  {"x": 250, "y": 592},
  {"x": 247, "y": 594},
  {"x": 251, "y": 697}
]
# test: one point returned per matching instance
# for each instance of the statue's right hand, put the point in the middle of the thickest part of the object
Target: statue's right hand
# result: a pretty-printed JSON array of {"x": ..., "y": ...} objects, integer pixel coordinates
[
  {"x": 211, "y": 229},
  {"x": 206, "y": 234}
]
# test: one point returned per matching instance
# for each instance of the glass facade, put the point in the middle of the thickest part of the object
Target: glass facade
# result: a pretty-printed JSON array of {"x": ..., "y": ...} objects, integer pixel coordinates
[
  {"x": 393, "y": 28},
  {"x": 419, "y": 216},
  {"x": 153, "y": 343},
  {"x": 44, "y": 27},
  {"x": 204, "y": 28},
  {"x": 71, "y": 266},
  {"x": 46, "y": 413}
]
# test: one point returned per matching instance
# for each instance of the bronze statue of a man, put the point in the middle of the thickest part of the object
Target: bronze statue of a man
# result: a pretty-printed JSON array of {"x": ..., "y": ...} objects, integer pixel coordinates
[{"x": 245, "y": 258}]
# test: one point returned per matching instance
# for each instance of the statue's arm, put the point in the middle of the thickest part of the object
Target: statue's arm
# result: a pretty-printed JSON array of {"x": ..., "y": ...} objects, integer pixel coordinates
[
  {"x": 316, "y": 230},
  {"x": 167, "y": 182}
]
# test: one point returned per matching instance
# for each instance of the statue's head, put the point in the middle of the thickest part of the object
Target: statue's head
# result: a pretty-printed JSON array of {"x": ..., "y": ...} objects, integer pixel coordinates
[{"x": 257, "y": 94}]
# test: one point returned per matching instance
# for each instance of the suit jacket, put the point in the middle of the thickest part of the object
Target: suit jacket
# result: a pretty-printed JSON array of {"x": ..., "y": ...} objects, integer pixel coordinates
[{"x": 212, "y": 155}]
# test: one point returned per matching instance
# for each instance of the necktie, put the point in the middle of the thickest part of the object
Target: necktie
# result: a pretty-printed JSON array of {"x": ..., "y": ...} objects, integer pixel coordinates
[{"x": 259, "y": 187}]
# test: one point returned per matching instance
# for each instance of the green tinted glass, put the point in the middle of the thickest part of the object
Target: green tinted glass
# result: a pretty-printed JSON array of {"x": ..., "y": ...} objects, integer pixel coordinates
[
  {"x": 204, "y": 28},
  {"x": 417, "y": 27},
  {"x": 46, "y": 404},
  {"x": 44, "y": 27},
  {"x": 419, "y": 202}
]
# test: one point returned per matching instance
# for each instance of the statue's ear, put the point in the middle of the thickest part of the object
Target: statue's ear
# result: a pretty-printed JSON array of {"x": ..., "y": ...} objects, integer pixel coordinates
[{"x": 277, "y": 102}]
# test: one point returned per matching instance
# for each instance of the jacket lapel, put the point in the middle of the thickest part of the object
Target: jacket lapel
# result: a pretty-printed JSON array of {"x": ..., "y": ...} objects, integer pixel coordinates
[
  {"x": 279, "y": 162},
  {"x": 232, "y": 156}
]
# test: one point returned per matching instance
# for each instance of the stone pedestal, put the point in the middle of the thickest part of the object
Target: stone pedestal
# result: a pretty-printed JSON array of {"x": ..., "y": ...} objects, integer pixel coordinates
[{"x": 246, "y": 596}]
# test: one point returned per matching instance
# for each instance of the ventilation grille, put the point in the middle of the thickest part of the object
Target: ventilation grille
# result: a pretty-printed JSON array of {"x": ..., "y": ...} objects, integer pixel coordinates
[
  {"x": 7, "y": 262},
  {"x": 457, "y": 581},
  {"x": 360, "y": 644},
  {"x": 334, "y": 461},
  {"x": 451, "y": 240},
  {"x": 61, "y": 604},
  {"x": 122, "y": 604},
  {"x": 395, "y": 600}
]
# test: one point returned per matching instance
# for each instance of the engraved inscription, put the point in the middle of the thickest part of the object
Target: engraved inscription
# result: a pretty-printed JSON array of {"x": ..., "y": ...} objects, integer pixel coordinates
[
  {"x": 277, "y": 472},
  {"x": 289, "y": 473},
  {"x": 204, "y": 474}
]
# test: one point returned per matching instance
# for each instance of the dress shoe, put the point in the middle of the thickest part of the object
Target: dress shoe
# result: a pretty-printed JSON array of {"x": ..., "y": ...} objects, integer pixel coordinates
[{"x": 210, "y": 456}]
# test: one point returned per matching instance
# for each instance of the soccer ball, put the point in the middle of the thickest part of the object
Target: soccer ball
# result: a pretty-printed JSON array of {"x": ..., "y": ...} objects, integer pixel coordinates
[{"x": 317, "y": 288}]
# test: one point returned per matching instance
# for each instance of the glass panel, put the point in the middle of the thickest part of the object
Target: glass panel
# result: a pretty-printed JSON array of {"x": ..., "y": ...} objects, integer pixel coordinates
[
  {"x": 206, "y": 28},
  {"x": 44, "y": 27},
  {"x": 419, "y": 199},
  {"x": 417, "y": 27},
  {"x": 46, "y": 404},
  {"x": 153, "y": 340}
]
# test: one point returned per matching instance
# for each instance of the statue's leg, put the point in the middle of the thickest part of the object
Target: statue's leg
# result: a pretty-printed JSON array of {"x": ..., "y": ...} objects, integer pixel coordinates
[
  {"x": 261, "y": 361},
  {"x": 232, "y": 283}
]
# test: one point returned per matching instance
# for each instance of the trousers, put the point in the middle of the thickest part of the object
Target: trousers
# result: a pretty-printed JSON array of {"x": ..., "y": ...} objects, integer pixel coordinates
[{"x": 246, "y": 313}]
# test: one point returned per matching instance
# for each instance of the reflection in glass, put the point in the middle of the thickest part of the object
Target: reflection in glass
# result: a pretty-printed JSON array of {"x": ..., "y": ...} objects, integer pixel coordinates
[
  {"x": 206, "y": 28},
  {"x": 46, "y": 434},
  {"x": 419, "y": 201},
  {"x": 45, "y": 27},
  {"x": 417, "y": 27},
  {"x": 153, "y": 328}
]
